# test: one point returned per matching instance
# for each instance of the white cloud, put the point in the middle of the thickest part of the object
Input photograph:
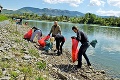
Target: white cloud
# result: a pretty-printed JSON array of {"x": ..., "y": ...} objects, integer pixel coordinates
[
  {"x": 109, "y": 13},
  {"x": 97, "y": 3},
  {"x": 114, "y": 3},
  {"x": 74, "y": 3}
]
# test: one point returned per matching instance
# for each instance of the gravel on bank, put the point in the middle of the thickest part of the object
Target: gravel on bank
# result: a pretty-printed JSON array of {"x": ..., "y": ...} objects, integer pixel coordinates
[{"x": 23, "y": 60}]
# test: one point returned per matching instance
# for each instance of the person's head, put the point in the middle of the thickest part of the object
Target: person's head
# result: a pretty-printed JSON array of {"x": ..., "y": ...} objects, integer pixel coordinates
[
  {"x": 75, "y": 29},
  {"x": 52, "y": 39},
  {"x": 55, "y": 23},
  {"x": 34, "y": 28},
  {"x": 26, "y": 23}
]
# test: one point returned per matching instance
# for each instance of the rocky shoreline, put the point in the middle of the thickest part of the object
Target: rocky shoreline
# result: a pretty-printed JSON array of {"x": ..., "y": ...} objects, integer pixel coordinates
[{"x": 23, "y": 60}]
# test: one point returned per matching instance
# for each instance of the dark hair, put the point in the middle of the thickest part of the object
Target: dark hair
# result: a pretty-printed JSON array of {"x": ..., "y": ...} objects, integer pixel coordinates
[
  {"x": 74, "y": 27},
  {"x": 34, "y": 27}
]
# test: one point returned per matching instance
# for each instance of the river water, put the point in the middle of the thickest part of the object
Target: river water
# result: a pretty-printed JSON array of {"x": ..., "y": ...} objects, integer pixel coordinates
[{"x": 105, "y": 56}]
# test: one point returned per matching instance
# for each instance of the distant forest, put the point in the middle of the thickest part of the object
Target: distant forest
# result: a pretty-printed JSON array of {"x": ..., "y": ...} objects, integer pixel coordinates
[{"x": 89, "y": 18}]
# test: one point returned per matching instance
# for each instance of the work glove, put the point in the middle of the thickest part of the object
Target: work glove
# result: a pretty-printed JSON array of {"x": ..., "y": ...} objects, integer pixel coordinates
[
  {"x": 48, "y": 34},
  {"x": 73, "y": 37}
]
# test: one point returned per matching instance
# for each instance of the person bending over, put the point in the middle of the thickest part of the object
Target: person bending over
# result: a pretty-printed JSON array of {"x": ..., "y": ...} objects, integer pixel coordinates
[
  {"x": 82, "y": 37},
  {"x": 60, "y": 40},
  {"x": 36, "y": 31}
]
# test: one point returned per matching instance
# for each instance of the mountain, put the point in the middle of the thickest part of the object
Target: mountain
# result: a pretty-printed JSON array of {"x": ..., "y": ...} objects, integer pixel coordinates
[
  {"x": 47, "y": 11},
  {"x": 5, "y": 11}
]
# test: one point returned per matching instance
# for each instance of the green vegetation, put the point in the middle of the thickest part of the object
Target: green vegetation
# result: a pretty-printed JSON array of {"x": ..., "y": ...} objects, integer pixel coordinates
[
  {"x": 4, "y": 64},
  {"x": 27, "y": 71},
  {"x": 14, "y": 75},
  {"x": 0, "y": 73},
  {"x": 30, "y": 13},
  {"x": 41, "y": 65},
  {"x": 3, "y": 17},
  {"x": 89, "y": 18},
  {"x": 34, "y": 52},
  {"x": 39, "y": 78},
  {"x": 17, "y": 40},
  {"x": 13, "y": 49}
]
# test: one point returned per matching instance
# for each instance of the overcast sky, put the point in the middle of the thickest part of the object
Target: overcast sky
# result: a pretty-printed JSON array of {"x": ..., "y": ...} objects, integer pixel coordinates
[{"x": 99, "y": 7}]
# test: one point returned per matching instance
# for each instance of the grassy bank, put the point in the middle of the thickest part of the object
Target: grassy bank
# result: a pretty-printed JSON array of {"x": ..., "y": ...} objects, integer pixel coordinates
[{"x": 3, "y": 17}]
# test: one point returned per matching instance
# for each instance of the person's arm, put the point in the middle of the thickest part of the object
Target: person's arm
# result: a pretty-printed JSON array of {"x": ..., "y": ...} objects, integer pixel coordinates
[
  {"x": 78, "y": 36},
  {"x": 59, "y": 30},
  {"x": 51, "y": 30}
]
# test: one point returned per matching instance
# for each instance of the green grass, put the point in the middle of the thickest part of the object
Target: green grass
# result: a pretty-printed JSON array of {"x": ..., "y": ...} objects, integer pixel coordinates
[
  {"x": 14, "y": 75},
  {"x": 41, "y": 65},
  {"x": 4, "y": 64},
  {"x": 0, "y": 73},
  {"x": 26, "y": 70},
  {"x": 13, "y": 49},
  {"x": 34, "y": 52},
  {"x": 26, "y": 44},
  {"x": 39, "y": 78},
  {"x": 16, "y": 33},
  {"x": 3, "y": 17},
  {"x": 17, "y": 40}
]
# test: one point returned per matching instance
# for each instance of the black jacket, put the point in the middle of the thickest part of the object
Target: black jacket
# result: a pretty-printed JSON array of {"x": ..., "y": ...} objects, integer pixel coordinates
[
  {"x": 82, "y": 37},
  {"x": 59, "y": 37}
]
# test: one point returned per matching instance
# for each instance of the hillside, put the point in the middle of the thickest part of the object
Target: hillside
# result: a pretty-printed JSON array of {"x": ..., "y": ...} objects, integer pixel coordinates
[{"x": 52, "y": 12}]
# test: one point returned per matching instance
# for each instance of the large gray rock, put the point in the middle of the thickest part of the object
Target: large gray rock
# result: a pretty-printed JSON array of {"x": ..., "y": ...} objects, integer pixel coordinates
[
  {"x": 5, "y": 78},
  {"x": 26, "y": 57},
  {"x": 1, "y": 49},
  {"x": 6, "y": 58}
]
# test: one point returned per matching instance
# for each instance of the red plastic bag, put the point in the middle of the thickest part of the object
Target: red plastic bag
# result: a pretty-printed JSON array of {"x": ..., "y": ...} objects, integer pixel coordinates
[
  {"x": 46, "y": 38},
  {"x": 28, "y": 34},
  {"x": 42, "y": 41},
  {"x": 74, "y": 50}
]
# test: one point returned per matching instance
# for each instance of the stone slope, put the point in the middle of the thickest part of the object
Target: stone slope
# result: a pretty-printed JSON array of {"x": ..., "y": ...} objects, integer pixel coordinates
[{"x": 23, "y": 60}]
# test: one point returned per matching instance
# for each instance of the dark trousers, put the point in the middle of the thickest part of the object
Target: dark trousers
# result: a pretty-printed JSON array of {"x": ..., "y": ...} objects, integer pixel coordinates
[
  {"x": 59, "y": 45},
  {"x": 81, "y": 52}
]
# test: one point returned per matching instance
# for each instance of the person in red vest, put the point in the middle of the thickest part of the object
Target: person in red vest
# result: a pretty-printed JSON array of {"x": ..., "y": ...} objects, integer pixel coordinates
[{"x": 82, "y": 37}]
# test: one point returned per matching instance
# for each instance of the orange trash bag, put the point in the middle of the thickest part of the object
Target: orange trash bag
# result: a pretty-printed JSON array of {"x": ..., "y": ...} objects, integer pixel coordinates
[
  {"x": 28, "y": 34},
  {"x": 42, "y": 41},
  {"x": 46, "y": 38},
  {"x": 74, "y": 50}
]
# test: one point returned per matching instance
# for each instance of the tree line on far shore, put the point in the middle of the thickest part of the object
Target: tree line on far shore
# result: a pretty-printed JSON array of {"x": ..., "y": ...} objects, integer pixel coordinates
[{"x": 89, "y": 18}]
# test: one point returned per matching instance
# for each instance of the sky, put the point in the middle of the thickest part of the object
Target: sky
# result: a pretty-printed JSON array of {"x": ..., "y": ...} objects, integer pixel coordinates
[{"x": 98, "y": 7}]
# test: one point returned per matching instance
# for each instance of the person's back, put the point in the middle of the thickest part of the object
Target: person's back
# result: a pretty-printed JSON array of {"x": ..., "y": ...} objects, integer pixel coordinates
[
  {"x": 48, "y": 45},
  {"x": 82, "y": 37},
  {"x": 36, "y": 31},
  {"x": 59, "y": 37},
  {"x": 60, "y": 40}
]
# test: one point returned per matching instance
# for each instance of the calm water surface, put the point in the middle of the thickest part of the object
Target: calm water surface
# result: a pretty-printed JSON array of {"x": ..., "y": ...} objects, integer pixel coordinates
[{"x": 105, "y": 56}]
